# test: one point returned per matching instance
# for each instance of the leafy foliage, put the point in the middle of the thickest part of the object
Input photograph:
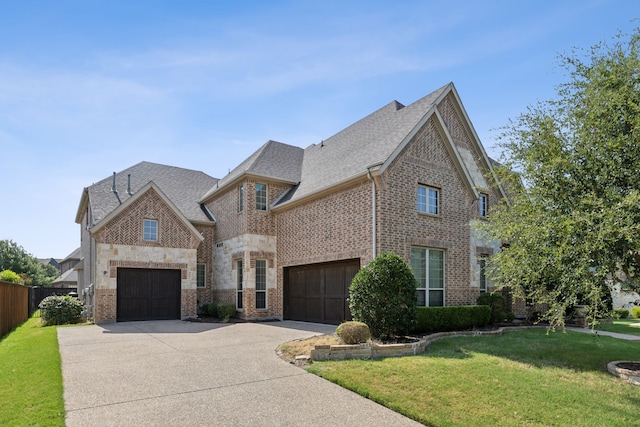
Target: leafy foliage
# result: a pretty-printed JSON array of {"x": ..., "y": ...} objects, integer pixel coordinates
[
  {"x": 497, "y": 303},
  {"x": 452, "y": 318},
  {"x": 353, "y": 332},
  {"x": 60, "y": 310},
  {"x": 573, "y": 215},
  {"x": 383, "y": 296},
  {"x": 635, "y": 312},
  {"x": 226, "y": 311},
  {"x": 14, "y": 257},
  {"x": 10, "y": 276}
]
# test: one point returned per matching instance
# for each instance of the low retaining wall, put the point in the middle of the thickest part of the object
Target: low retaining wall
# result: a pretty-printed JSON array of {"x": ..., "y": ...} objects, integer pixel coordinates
[{"x": 374, "y": 350}]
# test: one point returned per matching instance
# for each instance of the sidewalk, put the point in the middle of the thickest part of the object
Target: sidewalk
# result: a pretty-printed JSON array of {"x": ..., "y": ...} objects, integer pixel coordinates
[{"x": 605, "y": 333}]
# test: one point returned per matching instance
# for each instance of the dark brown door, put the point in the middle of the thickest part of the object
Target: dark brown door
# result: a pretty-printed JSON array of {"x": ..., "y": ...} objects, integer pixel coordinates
[
  {"x": 319, "y": 292},
  {"x": 145, "y": 294}
]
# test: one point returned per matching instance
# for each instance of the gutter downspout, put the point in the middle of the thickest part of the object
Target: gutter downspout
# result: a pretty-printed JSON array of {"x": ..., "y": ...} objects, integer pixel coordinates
[{"x": 374, "y": 230}]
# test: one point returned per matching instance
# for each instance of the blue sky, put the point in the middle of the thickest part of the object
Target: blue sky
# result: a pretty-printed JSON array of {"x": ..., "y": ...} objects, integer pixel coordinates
[{"x": 92, "y": 87}]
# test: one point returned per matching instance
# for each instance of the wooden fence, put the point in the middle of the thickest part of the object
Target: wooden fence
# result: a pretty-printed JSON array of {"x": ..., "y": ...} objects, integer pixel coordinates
[
  {"x": 38, "y": 293},
  {"x": 14, "y": 306}
]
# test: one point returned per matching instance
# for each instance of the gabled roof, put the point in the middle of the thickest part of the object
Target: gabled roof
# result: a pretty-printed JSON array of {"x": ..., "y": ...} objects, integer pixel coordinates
[
  {"x": 76, "y": 254},
  {"x": 151, "y": 186},
  {"x": 369, "y": 142},
  {"x": 274, "y": 161},
  {"x": 69, "y": 276},
  {"x": 183, "y": 187}
]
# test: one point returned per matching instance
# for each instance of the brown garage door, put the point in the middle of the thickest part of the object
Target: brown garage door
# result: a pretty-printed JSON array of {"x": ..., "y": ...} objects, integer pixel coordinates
[
  {"x": 318, "y": 292},
  {"x": 145, "y": 294}
]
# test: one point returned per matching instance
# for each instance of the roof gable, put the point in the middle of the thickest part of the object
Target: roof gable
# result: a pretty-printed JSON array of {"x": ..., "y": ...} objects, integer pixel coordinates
[
  {"x": 274, "y": 160},
  {"x": 151, "y": 186},
  {"x": 183, "y": 187}
]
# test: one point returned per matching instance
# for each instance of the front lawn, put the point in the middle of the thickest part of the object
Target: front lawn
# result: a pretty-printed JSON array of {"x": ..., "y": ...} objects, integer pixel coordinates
[
  {"x": 31, "y": 377},
  {"x": 621, "y": 326},
  {"x": 523, "y": 378}
]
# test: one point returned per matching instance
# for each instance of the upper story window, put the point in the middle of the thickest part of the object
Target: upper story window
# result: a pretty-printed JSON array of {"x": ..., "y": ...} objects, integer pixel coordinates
[
  {"x": 483, "y": 205},
  {"x": 240, "y": 198},
  {"x": 261, "y": 197},
  {"x": 201, "y": 275},
  {"x": 150, "y": 230},
  {"x": 428, "y": 200}
]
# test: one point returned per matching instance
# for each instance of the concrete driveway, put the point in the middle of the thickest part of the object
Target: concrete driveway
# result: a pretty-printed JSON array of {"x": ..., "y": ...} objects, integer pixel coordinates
[{"x": 175, "y": 373}]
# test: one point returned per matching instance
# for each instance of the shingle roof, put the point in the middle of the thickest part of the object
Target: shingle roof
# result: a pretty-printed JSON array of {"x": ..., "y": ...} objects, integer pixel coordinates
[
  {"x": 273, "y": 160},
  {"x": 182, "y": 186},
  {"x": 76, "y": 254},
  {"x": 368, "y": 142}
]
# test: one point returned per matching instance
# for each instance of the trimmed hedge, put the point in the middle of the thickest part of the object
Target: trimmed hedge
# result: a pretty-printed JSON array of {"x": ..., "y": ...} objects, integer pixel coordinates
[
  {"x": 60, "y": 310},
  {"x": 353, "y": 332},
  {"x": 453, "y": 318},
  {"x": 635, "y": 312}
]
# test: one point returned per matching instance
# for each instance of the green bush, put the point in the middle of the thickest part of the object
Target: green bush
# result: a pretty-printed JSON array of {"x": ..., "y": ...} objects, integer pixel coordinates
[
  {"x": 383, "y": 296},
  {"x": 621, "y": 313},
  {"x": 10, "y": 276},
  {"x": 635, "y": 312},
  {"x": 212, "y": 309},
  {"x": 353, "y": 332},
  {"x": 497, "y": 303},
  {"x": 60, "y": 310},
  {"x": 453, "y": 318},
  {"x": 226, "y": 311}
]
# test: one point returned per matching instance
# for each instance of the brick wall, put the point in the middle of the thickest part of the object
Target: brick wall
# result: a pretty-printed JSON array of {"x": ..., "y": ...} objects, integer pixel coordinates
[
  {"x": 205, "y": 256},
  {"x": 126, "y": 227}
]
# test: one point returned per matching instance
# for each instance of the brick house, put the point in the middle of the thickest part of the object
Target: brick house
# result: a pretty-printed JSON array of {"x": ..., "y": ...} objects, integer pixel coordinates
[{"x": 283, "y": 234}]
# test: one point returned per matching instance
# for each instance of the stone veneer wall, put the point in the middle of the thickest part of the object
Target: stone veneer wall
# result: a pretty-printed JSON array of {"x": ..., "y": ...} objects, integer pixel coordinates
[{"x": 110, "y": 257}]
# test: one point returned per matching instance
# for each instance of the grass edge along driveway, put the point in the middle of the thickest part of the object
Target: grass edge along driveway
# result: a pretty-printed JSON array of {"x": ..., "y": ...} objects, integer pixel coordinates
[
  {"x": 522, "y": 378},
  {"x": 31, "y": 392}
]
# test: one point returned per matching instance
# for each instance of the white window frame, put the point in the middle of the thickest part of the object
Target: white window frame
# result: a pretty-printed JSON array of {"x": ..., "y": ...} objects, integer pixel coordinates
[
  {"x": 261, "y": 282},
  {"x": 201, "y": 277},
  {"x": 240, "y": 198},
  {"x": 482, "y": 274},
  {"x": 426, "y": 282},
  {"x": 261, "y": 201},
  {"x": 428, "y": 200},
  {"x": 239, "y": 284},
  {"x": 483, "y": 205},
  {"x": 147, "y": 231}
]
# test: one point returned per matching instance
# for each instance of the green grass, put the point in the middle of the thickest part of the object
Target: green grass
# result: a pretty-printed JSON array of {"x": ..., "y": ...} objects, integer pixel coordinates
[
  {"x": 523, "y": 378},
  {"x": 622, "y": 326},
  {"x": 31, "y": 377}
]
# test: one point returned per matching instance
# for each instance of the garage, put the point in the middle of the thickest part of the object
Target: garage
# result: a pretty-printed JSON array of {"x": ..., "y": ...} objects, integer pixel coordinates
[
  {"x": 318, "y": 292},
  {"x": 148, "y": 294}
]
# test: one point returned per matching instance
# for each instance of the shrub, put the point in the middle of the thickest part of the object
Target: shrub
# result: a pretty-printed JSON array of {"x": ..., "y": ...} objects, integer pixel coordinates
[
  {"x": 454, "y": 318},
  {"x": 497, "y": 303},
  {"x": 60, "y": 310},
  {"x": 10, "y": 276},
  {"x": 212, "y": 309},
  {"x": 635, "y": 312},
  {"x": 383, "y": 296},
  {"x": 353, "y": 332},
  {"x": 226, "y": 311},
  {"x": 621, "y": 313}
]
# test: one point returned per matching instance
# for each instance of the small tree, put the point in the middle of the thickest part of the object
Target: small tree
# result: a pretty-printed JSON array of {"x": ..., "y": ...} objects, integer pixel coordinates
[
  {"x": 10, "y": 276},
  {"x": 383, "y": 296}
]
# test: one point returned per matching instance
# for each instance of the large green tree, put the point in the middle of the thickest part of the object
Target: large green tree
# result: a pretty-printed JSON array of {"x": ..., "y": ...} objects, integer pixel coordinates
[
  {"x": 14, "y": 257},
  {"x": 572, "y": 168}
]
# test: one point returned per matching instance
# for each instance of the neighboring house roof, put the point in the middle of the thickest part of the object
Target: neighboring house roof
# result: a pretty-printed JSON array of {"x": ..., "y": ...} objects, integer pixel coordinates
[
  {"x": 183, "y": 187},
  {"x": 69, "y": 276},
  {"x": 50, "y": 261},
  {"x": 274, "y": 160},
  {"x": 76, "y": 255}
]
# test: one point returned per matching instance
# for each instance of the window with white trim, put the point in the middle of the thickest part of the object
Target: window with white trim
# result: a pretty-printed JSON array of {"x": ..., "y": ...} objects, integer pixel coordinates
[
  {"x": 150, "y": 230},
  {"x": 239, "y": 285},
  {"x": 261, "y": 284},
  {"x": 428, "y": 200},
  {"x": 201, "y": 274},
  {"x": 482, "y": 263},
  {"x": 240, "y": 198},
  {"x": 261, "y": 197},
  {"x": 428, "y": 269},
  {"x": 483, "y": 205}
]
